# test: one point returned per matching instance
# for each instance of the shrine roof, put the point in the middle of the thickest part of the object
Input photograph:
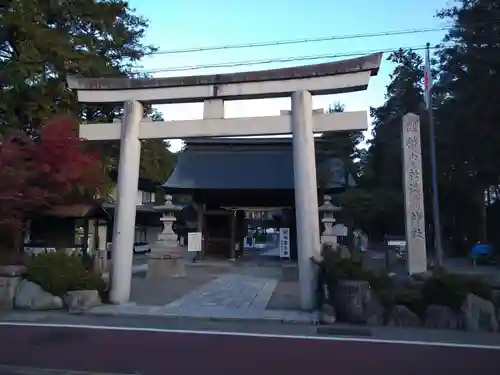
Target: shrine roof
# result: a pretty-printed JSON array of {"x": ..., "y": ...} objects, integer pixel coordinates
[{"x": 243, "y": 164}]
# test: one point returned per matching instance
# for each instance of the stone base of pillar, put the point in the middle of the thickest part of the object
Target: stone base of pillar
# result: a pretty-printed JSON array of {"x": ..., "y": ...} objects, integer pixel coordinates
[
  {"x": 165, "y": 265},
  {"x": 10, "y": 278},
  {"x": 332, "y": 240}
]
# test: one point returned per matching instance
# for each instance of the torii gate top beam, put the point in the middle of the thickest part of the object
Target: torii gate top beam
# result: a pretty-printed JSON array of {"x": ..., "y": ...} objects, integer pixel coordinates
[{"x": 320, "y": 79}]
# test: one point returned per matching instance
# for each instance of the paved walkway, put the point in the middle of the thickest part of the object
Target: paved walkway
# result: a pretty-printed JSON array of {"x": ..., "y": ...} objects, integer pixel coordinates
[
  {"x": 233, "y": 291},
  {"x": 244, "y": 293}
]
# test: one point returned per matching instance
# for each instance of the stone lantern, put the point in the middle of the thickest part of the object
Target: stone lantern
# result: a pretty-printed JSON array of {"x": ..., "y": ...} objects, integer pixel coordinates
[
  {"x": 166, "y": 257},
  {"x": 328, "y": 211}
]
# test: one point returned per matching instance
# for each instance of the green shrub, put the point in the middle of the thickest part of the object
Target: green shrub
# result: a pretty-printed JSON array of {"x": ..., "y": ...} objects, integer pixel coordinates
[
  {"x": 334, "y": 268},
  {"x": 413, "y": 300},
  {"x": 58, "y": 273},
  {"x": 383, "y": 286},
  {"x": 379, "y": 281},
  {"x": 449, "y": 289}
]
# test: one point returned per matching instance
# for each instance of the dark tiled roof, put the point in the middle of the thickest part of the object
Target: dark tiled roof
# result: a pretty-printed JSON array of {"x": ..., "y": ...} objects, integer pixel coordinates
[{"x": 215, "y": 166}]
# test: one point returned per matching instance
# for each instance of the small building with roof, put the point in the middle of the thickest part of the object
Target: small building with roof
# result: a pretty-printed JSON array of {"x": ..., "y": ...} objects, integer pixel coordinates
[{"x": 229, "y": 177}]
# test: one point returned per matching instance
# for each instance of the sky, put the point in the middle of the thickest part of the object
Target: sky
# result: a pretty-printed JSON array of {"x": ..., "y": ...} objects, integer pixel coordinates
[{"x": 182, "y": 24}]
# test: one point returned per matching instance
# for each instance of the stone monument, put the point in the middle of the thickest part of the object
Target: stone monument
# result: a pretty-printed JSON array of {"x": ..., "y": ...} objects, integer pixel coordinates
[
  {"x": 165, "y": 259},
  {"x": 413, "y": 194}
]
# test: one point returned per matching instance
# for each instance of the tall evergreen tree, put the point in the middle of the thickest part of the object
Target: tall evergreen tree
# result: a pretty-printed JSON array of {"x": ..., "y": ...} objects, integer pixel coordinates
[
  {"x": 42, "y": 41},
  {"x": 468, "y": 116}
]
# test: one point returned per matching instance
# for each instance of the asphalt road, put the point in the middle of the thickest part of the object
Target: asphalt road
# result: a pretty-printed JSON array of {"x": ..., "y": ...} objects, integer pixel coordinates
[{"x": 146, "y": 352}]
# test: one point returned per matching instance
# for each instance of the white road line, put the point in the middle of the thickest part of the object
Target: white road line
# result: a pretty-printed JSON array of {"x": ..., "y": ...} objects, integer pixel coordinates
[
  {"x": 24, "y": 370},
  {"x": 261, "y": 335}
]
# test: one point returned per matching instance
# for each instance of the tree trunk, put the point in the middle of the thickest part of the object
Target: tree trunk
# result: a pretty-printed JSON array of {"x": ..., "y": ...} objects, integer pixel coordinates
[{"x": 482, "y": 225}]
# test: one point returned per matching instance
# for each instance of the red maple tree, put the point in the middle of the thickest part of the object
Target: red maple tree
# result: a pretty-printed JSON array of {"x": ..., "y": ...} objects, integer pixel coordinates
[{"x": 37, "y": 172}]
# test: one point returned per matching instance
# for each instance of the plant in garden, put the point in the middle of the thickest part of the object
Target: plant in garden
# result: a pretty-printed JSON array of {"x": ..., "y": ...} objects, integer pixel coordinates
[
  {"x": 46, "y": 168},
  {"x": 58, "y": 273}
]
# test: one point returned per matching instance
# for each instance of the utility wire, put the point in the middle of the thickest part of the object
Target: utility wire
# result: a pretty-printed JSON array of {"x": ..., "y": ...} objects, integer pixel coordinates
[
  {"x": 279, "y": 60},
  {"x": 301, "y": 41}
]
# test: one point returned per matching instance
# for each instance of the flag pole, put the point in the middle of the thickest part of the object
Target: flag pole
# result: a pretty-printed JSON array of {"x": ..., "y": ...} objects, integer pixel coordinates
[{"x": 435, "y": 193}]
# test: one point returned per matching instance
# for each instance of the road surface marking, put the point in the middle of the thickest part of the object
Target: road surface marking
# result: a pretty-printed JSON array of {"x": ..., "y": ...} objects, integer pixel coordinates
[
  {"x": 244, "y": 334},
  {"x": 21, "y": 370}
]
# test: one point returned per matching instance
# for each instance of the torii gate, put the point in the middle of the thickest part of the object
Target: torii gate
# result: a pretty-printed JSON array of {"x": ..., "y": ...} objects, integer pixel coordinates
[{"x": 298, "y": 82}]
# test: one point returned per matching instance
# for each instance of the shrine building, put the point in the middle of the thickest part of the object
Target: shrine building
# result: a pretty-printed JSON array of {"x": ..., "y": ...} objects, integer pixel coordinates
[{"x": 228, "y": 177}]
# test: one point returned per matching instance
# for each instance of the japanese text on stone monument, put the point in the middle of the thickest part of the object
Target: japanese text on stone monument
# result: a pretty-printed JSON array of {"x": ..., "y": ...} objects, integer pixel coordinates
[{"x": 414, "y": 198}]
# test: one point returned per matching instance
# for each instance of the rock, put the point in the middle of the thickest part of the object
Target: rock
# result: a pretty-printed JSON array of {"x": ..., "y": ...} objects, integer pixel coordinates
[
  {"x": 496, "y": 298},
  {"x": 374, "y": 311},
  {"x": 327, "y": 314},
  {"x": 355, "y": 302},
  {"x": 31, "y": 296},
  {"x": 479, "y": 314},
  {"x": 496, "y": 302},
  {"x": 344, "y": 252},
  {"x": 81, "y": 300},
  {"x": 326, "y": 248},
  {"x": 402, "y": 316},
  {"x": 441, "y": 317}
]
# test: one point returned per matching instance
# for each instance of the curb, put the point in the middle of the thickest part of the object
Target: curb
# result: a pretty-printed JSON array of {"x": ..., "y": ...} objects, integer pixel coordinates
[
  {"x": 321, "y": 329},
  {"x": 333, "y": 330},
  {"x": 233, "y": 319}
]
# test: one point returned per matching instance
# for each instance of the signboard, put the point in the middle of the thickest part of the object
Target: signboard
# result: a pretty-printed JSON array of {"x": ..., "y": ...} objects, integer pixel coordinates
[
  {"x": 284, "y": 243},
  {"x": 194, "y": 241},
  {"x": 339, "y": 230},
  {"x": 413, "y": 194},
  {"x": 396, "y": 243}
]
